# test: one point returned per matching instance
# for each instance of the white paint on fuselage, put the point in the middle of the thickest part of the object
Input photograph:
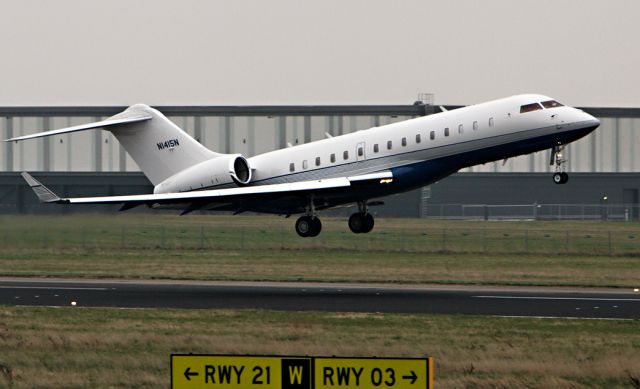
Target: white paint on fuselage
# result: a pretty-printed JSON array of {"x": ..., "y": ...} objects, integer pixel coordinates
[{"x": 506, "y": 115}]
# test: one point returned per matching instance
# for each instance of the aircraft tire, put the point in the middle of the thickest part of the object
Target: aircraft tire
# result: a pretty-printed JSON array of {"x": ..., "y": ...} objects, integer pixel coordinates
[
  {"x": 565, "y": 177},
  {"x": 316, "y": 226},
  {"x": 557, "y": 178},
  {"x": 304, "y": 226},
  {"x": 368, "y": 223},
  {"x": 356, "y": 223}
]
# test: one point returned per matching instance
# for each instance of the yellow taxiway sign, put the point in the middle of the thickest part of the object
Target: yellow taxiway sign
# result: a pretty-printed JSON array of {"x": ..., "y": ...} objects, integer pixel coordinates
[{"x": 190, "y": 371}]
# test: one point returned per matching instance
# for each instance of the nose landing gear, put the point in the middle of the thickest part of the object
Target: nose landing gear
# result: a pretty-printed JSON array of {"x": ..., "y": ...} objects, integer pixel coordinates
[{"x": 559, "y": 177}]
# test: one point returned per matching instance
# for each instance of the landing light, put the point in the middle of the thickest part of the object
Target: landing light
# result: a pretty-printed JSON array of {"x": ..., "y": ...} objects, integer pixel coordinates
[
  {"x": 386, "y": 180},
  {"x": 73, "y": 303},
  {"x": 636, "y": 290}
]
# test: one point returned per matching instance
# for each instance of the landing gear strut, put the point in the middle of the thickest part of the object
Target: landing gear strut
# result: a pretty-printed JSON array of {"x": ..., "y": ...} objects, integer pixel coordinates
[
  {"x": 559, "y": 177},
  {"x": 362, "y": 221},
  {"x": 309, "y": 225}
]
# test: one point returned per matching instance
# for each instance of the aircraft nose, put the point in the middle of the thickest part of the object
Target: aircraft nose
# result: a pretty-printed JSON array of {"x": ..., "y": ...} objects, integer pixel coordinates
[{"x": 592, "y": 121}]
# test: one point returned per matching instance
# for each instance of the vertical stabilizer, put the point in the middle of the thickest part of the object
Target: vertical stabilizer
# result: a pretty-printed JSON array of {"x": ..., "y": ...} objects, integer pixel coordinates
[{"x": 159, "y": 147}]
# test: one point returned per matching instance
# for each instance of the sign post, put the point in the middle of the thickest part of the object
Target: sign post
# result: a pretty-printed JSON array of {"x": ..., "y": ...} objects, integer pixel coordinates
[{"x": 190, "y": 371}]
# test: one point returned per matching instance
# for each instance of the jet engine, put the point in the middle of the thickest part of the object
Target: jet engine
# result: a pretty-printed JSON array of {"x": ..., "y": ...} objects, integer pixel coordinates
[{"x": 226, "y": 170}]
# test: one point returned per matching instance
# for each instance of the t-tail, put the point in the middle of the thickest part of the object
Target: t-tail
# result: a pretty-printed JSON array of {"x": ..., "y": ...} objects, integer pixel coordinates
[{"x": 159, "y": 147}]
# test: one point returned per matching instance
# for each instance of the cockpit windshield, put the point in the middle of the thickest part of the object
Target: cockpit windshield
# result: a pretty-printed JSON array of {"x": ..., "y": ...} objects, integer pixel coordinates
[
  {"x": 551, "y": 104},
  {"x": 530, "y": 107}
]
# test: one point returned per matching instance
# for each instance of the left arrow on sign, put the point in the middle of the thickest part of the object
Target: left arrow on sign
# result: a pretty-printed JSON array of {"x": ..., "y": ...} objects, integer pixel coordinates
[
  {"x": 413, "y": 377},
  {"x": 188, "y": 374}
]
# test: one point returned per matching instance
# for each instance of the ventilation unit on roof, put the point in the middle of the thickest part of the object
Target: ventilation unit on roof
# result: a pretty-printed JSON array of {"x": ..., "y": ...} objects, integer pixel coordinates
[{"x": 424, "y": 99}]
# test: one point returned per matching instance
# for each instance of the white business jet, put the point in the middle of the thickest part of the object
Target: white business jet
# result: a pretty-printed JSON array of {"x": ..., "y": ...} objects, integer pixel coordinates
[{"x": 351, "y": 168}]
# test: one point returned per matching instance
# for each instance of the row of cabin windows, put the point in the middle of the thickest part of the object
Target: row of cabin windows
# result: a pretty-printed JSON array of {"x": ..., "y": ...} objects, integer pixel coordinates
[
  {"x": 332, "y": 158},
  {"x": 376, "y": 148}
]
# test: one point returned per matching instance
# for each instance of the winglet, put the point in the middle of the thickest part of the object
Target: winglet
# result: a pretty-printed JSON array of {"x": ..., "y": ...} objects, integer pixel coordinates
[{"x": 44, "y": 194}]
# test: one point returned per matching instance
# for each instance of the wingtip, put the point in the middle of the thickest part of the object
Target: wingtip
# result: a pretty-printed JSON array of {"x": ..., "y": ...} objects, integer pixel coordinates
[
  {"x": 44, "y": 194},
  {"x": 30, "y": 180}
]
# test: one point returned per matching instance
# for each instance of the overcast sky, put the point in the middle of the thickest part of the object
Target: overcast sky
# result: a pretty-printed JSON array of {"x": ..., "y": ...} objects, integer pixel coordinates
[{"x": 120, "y": 52}]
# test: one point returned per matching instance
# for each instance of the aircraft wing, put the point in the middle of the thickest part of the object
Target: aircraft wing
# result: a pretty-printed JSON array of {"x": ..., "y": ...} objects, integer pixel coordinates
[{"x": 203, "y": 197}]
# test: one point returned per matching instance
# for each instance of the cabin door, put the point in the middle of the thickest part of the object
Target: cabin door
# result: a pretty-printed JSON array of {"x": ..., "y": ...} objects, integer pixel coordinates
[{"x": 360, "y": 152}]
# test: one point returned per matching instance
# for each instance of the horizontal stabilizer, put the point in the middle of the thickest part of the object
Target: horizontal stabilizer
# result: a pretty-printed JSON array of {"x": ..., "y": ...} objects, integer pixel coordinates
[
  {"x": 82, "y": 127},
  {"x": 44, "y": 194}
]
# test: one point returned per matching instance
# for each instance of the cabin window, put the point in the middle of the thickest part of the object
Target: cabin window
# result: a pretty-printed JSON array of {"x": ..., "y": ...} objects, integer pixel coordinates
[
  {"x": 292, "y": 167},
  {"x": 345, "y": 155},
  {"x": 432, "y": 135},
  {"x": 389, "y": 145},
  {"x": 360, "y": 151},
  {"x": 446, "y": 131},
  {"x": 376, "y": 148},
  {"x": 460, "y": 129},
  {"x": 305, "y": 165},
  {"x": 475, "y": 126},
  {"x": 404, "y": 142},
  {"x": 530, "y": 107},
  {"x": 490, "y": 122},
  {"x": 418, "y": 139},
  {"x": 333, "y": 158},
  {"x": 317, "y": 161},
  {"x": 551, "y": 104}
]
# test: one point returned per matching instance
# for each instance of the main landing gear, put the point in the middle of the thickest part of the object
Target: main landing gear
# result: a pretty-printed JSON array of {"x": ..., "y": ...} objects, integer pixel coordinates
[
  {"x": 309, "y": 225},
  {"x": 559, "y": 177},
  {"x": 361, "y": 222}
]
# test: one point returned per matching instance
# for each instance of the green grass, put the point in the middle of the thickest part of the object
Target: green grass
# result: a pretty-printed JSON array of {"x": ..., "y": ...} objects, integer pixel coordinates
[
  {"x": 144, "y": 231},
  {"x": 95, "y": 347},
  {"x": 266, "y": 248}
]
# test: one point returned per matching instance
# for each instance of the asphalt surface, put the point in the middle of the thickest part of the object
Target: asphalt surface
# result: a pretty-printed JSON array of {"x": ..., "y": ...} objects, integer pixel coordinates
[{"x": 508, "y": 301}]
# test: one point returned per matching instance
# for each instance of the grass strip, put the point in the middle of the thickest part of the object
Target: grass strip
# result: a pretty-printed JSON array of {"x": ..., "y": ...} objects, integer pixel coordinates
[
  {"x": 325, "y": 266},
  {"x": 101, "y": 347}
]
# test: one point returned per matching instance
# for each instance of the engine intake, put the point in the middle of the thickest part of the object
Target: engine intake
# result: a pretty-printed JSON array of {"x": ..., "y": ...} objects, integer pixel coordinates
[{"x": 241, "y": 172}]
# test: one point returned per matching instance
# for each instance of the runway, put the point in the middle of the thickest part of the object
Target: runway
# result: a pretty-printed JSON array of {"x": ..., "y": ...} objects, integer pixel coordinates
[{"x": 472, "y": 300}]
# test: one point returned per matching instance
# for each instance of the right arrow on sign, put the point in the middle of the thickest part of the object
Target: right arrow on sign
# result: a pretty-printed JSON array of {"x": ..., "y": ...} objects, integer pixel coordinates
[{"x": 413, "y": 377}]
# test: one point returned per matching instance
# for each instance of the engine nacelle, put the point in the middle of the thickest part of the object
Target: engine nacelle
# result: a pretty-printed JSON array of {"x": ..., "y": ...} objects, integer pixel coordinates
[{"x": 228, "y": 169}]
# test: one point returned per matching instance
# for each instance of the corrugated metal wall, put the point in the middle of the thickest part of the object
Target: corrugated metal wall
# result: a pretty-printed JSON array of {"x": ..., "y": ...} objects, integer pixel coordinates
[{"x": 611, "y": 148}]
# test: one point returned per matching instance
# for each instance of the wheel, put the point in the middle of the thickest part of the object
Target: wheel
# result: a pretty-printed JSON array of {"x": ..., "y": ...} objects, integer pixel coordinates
[
  {"x": 356, "y": 223},
  {"x": 307, "y": 226},
  {"x": 557, "y": 178},
  {"x": 316, "y": 226},
  {"x": 304, "y": 226},
  {"x": 368, "y": 223},
  {"x": 565, "y": 178}
]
